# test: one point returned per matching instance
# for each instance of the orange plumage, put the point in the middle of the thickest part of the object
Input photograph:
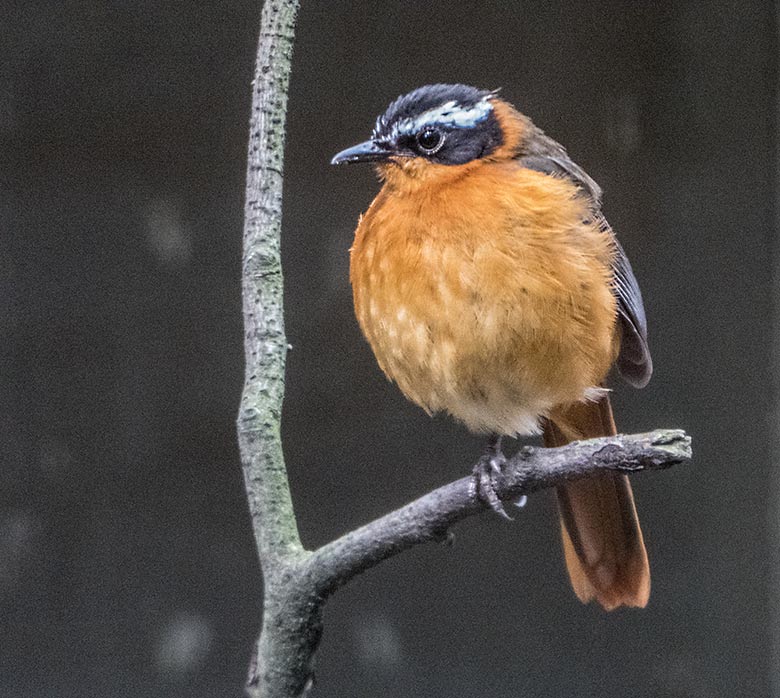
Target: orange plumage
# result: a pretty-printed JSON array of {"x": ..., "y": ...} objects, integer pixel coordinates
[{"x": 486, "y": 289}]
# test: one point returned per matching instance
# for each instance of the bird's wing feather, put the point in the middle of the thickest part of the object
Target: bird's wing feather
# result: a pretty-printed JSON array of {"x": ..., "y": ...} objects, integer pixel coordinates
[{"x": 634, "y": 361}]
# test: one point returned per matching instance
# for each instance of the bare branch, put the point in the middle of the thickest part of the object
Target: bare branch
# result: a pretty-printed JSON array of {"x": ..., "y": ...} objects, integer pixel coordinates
[
  {"x": 281, "y": 665},
  {"x": 429, "y": 517},
  {"x": 265, "y": 344},
  {"x": 297, "y": 582}
]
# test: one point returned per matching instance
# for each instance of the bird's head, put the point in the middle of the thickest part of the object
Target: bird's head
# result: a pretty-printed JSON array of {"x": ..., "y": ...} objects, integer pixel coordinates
[{"x": 437, "y": 128}]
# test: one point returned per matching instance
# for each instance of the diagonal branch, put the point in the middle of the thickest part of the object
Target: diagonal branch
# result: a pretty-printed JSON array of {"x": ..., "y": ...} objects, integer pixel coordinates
[{"x": 429, "y": 517}]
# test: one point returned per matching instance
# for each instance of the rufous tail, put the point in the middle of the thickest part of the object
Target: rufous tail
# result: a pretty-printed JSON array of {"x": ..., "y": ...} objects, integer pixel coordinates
[{"x": 602, "y": 541}]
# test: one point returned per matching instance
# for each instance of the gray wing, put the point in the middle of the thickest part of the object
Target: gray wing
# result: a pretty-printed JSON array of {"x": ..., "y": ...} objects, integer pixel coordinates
[{"x": 634, "y": 361}]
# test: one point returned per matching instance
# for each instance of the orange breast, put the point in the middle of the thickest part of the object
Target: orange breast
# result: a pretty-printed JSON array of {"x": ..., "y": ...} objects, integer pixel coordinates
[{"x": 485, "y": 294}]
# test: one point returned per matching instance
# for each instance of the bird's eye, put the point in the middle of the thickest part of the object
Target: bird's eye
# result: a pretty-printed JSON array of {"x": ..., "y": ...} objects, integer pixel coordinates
[{"x": 430, "y": 140}]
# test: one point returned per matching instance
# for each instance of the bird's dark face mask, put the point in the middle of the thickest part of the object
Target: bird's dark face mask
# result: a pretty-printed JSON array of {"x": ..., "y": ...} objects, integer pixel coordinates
[{"x": 438, "y": 124}]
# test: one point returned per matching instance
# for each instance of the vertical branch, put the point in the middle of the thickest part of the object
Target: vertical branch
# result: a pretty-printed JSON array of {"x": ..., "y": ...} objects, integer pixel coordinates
[
  {"x": 259, "y": 416},
  {"x": 281, "y": 667}
]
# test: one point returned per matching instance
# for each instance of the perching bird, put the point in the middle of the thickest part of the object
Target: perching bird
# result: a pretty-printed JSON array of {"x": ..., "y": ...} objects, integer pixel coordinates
[{"x": 490, "y": 286}]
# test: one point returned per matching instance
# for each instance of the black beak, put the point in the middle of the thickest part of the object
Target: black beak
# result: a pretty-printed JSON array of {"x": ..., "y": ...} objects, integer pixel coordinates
[{"x": 363, "y": 152}]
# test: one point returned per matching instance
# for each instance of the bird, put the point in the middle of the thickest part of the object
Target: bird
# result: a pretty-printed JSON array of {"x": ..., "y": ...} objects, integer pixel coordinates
[{"x": 490, "y": 286}]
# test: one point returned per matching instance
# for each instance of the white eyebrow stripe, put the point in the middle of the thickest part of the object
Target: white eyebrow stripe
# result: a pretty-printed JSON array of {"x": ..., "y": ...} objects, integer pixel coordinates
[{"x": 448, "y": 114}]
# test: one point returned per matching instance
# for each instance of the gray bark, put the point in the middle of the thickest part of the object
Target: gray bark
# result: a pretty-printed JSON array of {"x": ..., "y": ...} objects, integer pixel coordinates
[{"x": 273, "y": 671}]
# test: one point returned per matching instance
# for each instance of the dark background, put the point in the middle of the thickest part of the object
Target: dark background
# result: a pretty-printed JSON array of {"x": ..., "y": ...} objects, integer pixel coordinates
[{"x": 127, "y": 565}]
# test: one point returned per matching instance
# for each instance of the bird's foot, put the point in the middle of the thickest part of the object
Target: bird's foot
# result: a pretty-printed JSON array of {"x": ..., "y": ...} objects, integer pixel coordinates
[{"x": 488, "y": 467}]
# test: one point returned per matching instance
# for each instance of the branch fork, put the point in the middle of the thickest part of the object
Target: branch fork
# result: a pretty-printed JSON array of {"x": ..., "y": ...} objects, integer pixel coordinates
[{"x": 297, "y": 582}]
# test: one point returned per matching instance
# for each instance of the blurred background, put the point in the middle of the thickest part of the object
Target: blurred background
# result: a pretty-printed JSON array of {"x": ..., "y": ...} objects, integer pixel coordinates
[{"x": 127, "y": 565}]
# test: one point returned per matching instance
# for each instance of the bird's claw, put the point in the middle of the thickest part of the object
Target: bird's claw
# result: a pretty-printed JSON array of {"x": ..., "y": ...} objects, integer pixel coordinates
[{"x": 487, "y": 468}]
